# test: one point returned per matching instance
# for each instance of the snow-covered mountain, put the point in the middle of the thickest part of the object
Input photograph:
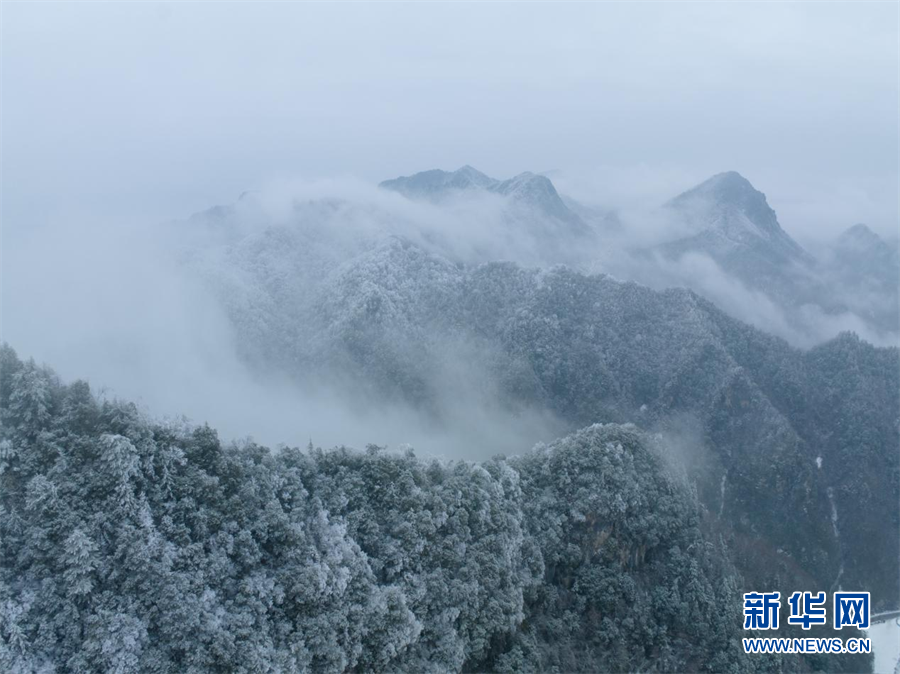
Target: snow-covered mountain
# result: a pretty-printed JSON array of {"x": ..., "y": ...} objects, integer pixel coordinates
[
  {"x": 729, "y": 246},
  {"x": 730, "y": 215},
  {"x": 763, "y": 275},
  {"x": 436, "y": 184},
  {"x": 863, "y": 270},
  {"x": 861, "y": 258},
  {"x": 530, "y": 196},
  {"x": 734, "y": 225}
]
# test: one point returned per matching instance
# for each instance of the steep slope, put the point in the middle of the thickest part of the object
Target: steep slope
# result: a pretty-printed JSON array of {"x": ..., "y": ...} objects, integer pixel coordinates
[{"x": 136, "y": 546}]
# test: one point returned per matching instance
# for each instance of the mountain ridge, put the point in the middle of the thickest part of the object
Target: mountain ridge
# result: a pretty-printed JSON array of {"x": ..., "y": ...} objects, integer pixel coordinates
[{"x": 527, "y": 189}]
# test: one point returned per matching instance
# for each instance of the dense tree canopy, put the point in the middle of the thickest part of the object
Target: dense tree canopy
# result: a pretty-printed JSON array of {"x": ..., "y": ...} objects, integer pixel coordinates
[{"x": 134, "y": 546}]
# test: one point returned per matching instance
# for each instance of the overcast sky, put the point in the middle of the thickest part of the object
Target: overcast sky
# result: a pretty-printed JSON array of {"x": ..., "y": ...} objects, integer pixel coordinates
[{"x": 157, "y": 110}]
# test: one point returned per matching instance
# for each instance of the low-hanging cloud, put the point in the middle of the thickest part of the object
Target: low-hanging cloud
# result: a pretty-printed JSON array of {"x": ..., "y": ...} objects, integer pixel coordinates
[
  {"x": 116, "y": 305},
  {"x": 132, "y": 309}
]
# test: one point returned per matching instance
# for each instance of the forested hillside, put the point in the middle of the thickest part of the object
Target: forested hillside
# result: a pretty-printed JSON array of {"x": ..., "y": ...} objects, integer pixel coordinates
[{"x": 134, "y": 546}]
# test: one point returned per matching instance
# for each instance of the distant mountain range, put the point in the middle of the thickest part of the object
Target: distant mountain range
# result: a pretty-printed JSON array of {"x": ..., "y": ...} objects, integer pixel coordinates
[
  {"x": 780, "y": 441},
  {"x": 738, "y": 229},
  {"x": 527, "y": 189},
  {"x": 854, "y": 280},
  {"x": 532, "y": 199},
  {"x": 728, "y": 221}
]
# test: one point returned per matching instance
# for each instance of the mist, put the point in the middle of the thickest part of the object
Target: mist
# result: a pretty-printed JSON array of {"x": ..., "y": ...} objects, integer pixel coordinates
[
  {"x": 115, "y": 304},
  {"x": 160, "y": 109},
  {"x": 142, "y": 311}
]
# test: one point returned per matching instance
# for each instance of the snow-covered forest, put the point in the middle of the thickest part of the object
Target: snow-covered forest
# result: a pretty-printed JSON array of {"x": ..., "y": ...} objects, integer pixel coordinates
[{"x": 134, "y": 546}]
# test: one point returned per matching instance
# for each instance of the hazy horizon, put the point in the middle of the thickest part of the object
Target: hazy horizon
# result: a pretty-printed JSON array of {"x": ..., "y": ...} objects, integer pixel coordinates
[{"x": 154, "y": 111}]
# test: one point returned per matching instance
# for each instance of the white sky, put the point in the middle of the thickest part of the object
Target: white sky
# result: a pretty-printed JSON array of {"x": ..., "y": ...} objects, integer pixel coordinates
[{"x": 158, "y": 110}]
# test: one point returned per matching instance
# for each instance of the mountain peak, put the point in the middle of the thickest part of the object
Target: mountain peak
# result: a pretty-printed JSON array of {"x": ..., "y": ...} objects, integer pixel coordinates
[
  {"x": 860, "y": 234},
  {"x": 730, "y": 178},
  {"x": 862, "y": 248},
  {"x": 434, "y": 183},
  {"x": 531, "y": 190},
  {"x": 537, "y": 191},
  {"x": 732, "y": 189},
  {"x": 526, "y": 182},
  {"x": 729, "y": 202},
  {"x": 470, "y": 170},
  {"x": 470, "y": 176},
  {"x": 730, "y": 213}
]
